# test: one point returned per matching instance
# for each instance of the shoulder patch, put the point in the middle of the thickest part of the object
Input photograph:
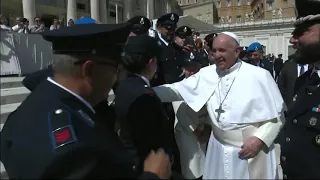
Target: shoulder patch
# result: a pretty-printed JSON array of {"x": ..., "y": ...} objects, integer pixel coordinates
[{"x": 61, "y": 130}]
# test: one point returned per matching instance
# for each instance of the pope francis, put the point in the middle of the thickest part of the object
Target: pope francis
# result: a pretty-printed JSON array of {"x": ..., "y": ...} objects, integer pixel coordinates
[{"x": 246, "y": 112}]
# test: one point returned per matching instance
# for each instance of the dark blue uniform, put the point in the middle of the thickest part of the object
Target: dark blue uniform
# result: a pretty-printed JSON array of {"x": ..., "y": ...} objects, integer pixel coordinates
[
  {"x": 58, "y": 136},
  {"x": 300, "y": 137},
  {"x": 142, "y": 118},
  {"x": 31, "y": 81},
  {"x": 53, "y": 133}
]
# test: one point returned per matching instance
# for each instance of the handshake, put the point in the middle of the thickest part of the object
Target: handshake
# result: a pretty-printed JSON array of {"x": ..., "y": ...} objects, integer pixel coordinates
[{"x": 158, "y": 163}]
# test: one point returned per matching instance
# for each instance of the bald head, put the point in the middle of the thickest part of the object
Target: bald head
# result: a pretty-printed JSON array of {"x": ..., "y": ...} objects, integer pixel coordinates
[{"x": 226, "y": 51}]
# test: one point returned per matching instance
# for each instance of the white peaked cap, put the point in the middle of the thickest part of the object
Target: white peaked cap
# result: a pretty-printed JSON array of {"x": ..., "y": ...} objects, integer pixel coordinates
[{"x": 234, "y": 36}]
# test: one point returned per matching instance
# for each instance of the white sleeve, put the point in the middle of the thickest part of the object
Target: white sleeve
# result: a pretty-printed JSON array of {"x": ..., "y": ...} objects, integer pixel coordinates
[
  {"x": 269, "y": 130},
  {"x": 168, "y": 92}
]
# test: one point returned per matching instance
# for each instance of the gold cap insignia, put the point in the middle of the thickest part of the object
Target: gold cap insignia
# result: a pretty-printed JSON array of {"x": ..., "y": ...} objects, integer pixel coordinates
[
  {"x": 185, "y": 29},
  {"x": 318, "y": 139},
  {"x": 141, "y": 21},
  {"x": 172, "y": 17},
  {"x": 313, "y": 121},
  {"x": 191, "y": 56}
]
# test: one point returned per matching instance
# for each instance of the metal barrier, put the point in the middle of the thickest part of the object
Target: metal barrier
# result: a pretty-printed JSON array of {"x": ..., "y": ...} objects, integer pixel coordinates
[{"x": 23, "y": 53}]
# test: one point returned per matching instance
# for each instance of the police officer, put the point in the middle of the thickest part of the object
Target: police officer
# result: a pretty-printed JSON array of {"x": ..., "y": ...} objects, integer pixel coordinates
[
  {"x": 255, "y": 57},
  {"x": 169, "y": 68},
  {"x": 300, "y": 137},
  {"x": 32, "y": 80},
  {"x": 185, "y": 33},
  {"x": 140, "y": 25},
  {"x": 208, "y": 40},
  {"x": 140, "y": 113},
  {"x": 55, "y": 133}
]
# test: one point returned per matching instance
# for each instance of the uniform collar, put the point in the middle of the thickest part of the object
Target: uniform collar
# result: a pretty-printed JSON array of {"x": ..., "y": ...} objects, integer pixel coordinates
[
  {"x": 316, "y": 70},
  {"x": 160, "y": 37},
  {"x": 144, "y": 79},
  {"x": 74, "y": 94}
]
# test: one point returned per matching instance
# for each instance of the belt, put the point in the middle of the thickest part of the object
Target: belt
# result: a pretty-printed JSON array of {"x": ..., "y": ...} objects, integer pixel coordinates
[{"x": 233, "y": 137}]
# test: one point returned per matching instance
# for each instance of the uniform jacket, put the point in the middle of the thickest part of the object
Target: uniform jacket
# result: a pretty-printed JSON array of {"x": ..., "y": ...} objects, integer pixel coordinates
[
  {"x": 59, "y": 137},
  {"x": 300, "y": 137},
  {"x": 286, "y": 81},
  {"x": 31, "y": 81},
  {"x": 142, "y": 119},
  {"x": 265, "y": 64},
  {"x": 169, "y": 66},
  {"x": 278, "y": 65}
]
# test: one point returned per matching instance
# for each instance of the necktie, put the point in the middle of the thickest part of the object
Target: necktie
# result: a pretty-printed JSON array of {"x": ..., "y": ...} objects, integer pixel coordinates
[{"x": 301, "y": 70}]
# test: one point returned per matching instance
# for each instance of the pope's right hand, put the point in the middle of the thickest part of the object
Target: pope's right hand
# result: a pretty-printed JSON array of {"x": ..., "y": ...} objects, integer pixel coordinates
[{"x": 158, "y": 163}]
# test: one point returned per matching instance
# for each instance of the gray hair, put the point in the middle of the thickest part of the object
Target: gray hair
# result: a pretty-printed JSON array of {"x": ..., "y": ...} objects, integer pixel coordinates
[{"x": 66, "y": 64}]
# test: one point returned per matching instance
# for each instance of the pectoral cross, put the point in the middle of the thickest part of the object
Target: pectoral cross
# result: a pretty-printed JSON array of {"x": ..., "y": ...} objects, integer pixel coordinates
[{"x": 219, "y": 111}]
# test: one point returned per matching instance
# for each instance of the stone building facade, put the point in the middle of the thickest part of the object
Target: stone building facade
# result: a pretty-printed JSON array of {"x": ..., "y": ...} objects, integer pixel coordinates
[
  {"x": 203, "y": 10},
  {"x": 106, "y": 11}
]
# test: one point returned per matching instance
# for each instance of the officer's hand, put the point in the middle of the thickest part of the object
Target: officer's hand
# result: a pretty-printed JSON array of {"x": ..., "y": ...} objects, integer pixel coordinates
[
  {"x": 188, "y": 48},
  {"x": 158, "y": 163}
]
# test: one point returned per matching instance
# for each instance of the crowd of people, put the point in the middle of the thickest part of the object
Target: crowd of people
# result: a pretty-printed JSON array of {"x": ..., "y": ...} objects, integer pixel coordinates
[
  {"x": 183, "y": 108},
  {"x": 22, "y": 25}
]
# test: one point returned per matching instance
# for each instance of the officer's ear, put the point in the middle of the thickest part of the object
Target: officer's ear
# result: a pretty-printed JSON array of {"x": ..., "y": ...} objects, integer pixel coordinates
[{"x": 87, "y": 69}]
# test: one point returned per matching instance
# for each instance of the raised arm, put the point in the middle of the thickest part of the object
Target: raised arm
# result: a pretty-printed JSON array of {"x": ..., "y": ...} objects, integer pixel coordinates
[{"x": 168, "y": 92}]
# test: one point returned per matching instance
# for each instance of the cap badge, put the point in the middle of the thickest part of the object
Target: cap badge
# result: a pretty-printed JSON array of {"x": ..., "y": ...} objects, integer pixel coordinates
[
  {"x": 141, "y": 21},
  {"x": 93, "y": 51},
  {"x": 172, "y": 17},
  {"x": 318, "y": 139},
  {"x": 191, "y": 56},
  {"x": 313, "y": 121},
  {"x": 256, "y": 49},
  {"x": 185, "y": 29}
]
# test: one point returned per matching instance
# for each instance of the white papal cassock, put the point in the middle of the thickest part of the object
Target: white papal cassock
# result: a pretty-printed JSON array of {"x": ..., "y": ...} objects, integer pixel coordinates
[
  {"x": 253, "y": 107},
  {"x": 192, "y": 152}
]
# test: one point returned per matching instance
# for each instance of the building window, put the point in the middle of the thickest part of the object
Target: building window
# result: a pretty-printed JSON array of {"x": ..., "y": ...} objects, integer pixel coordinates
[
  {"x": 270, "y": 5},
  {"x": 239, "y": 2},
  {"x": 81, "y": 6},
  {"x": 228, "y": 3},
  {"x": 112, "y": 11},
  {"x": 218, "y": 4},
  {"x": 238, "y": 18}
]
